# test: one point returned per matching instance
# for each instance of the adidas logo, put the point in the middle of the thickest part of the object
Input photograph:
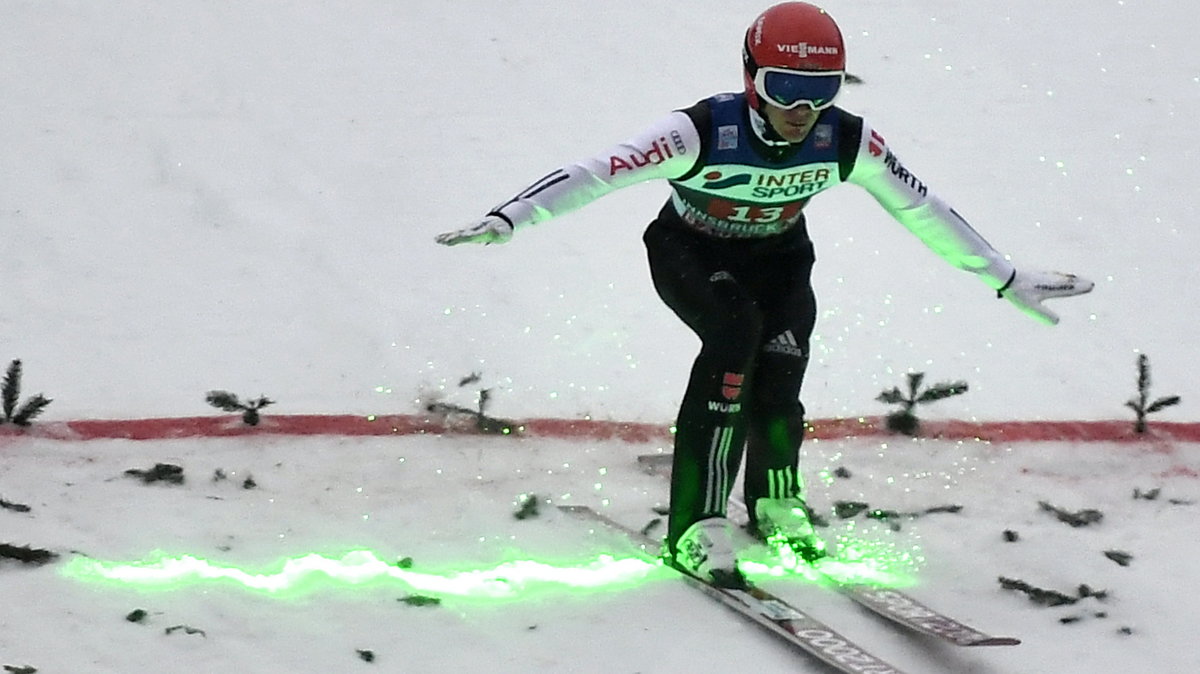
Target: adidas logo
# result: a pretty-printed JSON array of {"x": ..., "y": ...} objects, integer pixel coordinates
[{"x": 786, "y": 344}]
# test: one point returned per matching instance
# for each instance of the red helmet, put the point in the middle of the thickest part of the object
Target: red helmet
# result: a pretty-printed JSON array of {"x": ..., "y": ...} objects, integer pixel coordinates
[{"x": 792, "y": 36}]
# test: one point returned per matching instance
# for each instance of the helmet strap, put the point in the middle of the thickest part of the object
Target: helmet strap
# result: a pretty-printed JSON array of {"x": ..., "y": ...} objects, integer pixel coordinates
[{"x": 763, "y": 129}]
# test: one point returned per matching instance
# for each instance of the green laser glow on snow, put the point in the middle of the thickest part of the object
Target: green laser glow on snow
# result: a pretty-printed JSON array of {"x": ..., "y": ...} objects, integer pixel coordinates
[
  {"x": 504, "y": 581},
  {"x": 509, "y": 579}
]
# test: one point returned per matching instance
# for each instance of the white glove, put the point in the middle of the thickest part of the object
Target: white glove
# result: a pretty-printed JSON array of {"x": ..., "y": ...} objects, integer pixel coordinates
[
  {"x": 491, "y": 229},
  {"x": 1028, "y": 289}
]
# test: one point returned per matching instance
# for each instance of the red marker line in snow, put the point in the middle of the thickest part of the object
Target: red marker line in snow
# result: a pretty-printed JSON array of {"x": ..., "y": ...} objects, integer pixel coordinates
[{"x": 583, "y": 429}]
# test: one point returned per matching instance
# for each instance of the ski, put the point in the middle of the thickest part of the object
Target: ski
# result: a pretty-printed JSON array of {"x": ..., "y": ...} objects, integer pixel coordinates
[
  {"x": 907, "y": 612},
  {"x": 894, "y": 605},
  {"x": 766, "y": 610}
]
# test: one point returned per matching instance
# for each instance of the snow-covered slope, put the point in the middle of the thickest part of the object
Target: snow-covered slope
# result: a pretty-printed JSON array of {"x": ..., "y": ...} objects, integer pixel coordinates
[{"x": 198, "y": 196}]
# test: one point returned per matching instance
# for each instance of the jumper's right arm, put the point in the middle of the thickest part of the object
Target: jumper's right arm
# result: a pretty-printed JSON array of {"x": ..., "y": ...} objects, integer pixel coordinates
[{"x": 667, "y": 149}]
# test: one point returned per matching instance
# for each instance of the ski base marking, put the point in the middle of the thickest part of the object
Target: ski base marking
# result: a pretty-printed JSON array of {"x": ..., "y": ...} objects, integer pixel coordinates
[{"x": 907, "y": 611}]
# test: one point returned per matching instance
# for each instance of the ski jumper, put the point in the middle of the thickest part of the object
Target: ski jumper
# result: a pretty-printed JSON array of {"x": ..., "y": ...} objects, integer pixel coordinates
[{"x": 729, "y": 253}]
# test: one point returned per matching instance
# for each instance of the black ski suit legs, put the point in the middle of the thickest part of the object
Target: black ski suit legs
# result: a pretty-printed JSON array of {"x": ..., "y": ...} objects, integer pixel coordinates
[{"x": 753, "y": 309}]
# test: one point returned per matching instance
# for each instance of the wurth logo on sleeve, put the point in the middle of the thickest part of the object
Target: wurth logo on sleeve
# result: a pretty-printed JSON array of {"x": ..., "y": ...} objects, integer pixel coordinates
[
  {"x": 659, "y": 152},
  {"x": 902, "y": 174},
  {"x": 877, "y": 144}
]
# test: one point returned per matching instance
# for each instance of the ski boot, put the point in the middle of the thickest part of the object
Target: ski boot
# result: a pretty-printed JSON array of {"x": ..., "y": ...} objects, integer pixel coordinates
[
  {"x": 706, "y": 551},
  {"x": 787, "y": 522}
]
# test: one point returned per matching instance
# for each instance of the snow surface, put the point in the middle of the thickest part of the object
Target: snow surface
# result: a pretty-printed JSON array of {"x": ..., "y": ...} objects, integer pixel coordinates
[{"x": 203, "y": 195}]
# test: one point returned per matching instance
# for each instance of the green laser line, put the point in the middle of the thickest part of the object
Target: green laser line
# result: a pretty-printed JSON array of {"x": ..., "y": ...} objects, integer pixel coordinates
[
  {"x": 362, "y": 566},
  {"x": 504, "y": 581}
]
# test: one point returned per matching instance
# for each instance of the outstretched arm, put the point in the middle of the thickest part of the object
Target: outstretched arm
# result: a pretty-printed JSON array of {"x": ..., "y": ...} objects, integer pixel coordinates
[
  {"x": 668, "y": 149},
  {"x": 944, "y": 231}
]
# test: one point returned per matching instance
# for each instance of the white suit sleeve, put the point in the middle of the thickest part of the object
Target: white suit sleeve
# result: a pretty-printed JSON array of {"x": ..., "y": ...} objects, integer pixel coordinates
[
  {"x": 911, "y": 203},
  {"x": 667, "y": 149}
]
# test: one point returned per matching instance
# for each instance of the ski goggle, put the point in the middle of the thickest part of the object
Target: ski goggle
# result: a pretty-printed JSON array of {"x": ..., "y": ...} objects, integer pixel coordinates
[{"x": 787, "y": 89}]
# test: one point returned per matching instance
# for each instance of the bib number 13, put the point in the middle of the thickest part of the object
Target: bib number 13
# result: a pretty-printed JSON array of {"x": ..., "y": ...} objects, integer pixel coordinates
[{"x": 755, "y": 213}]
